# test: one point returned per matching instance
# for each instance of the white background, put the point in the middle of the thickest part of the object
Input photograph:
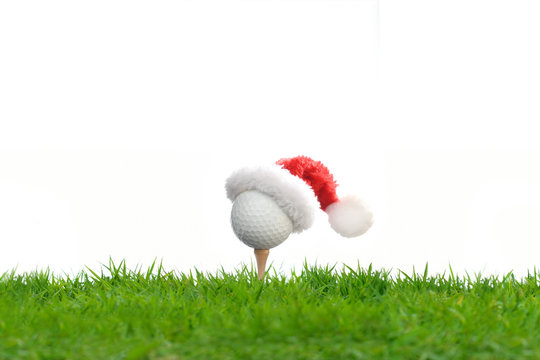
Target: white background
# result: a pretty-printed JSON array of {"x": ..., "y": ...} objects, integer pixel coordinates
[{"x": 120, "y": 121}]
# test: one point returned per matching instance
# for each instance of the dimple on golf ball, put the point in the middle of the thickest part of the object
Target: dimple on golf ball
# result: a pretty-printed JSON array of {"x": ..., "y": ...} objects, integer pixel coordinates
[{"x": 258, "y": 221}]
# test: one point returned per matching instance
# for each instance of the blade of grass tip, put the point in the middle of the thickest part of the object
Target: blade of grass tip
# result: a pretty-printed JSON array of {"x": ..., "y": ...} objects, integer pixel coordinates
[
  {"x": 259, "y": 291},
  {"x": 241, "y": 271},
  {"x": 469, "y": 281},
  {"x": 509, "y": 276},
  {"x": 117, "y": 269},
  {"x": 137, "y": 269},
  {"x": 161, "y": 270},
  {"x": 150, "y": 269},
  {"x": 388, "y": 275},
  {"x": 95, "y": 277},
  {"x": 107, "y": 267},
  {"x": 417, "y": 278},
  {"x": 275, "y": 273},
  {"x": 406, "y": 276},
  {"x": 124, "y": 271},
  {"x": 452, "y": 277},
  {"x": 111, "y": 264},
  {"x": 350, "y": 270},
  {"x": 332, "y": 268},
  {"x": 270, "y": 267},
  {"x": 114, "y": 271},
  {"x": 424, "y": 278},
  {"x": 223, "y": 273},
  {"x": 9, "y": 276}
]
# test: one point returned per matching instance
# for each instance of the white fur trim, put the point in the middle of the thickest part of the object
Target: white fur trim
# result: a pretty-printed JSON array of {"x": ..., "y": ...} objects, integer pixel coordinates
[
  {"x": 349, "y": 216},
  {"x": 292, "y": 194}
]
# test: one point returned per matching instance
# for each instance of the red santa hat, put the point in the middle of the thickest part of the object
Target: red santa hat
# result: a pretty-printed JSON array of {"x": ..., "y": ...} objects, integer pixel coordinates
[{"x": 300, "y": 185}]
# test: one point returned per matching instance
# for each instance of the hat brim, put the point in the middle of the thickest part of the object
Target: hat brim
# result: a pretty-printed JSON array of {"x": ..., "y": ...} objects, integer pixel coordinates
[{"x": 295, "y": 197}]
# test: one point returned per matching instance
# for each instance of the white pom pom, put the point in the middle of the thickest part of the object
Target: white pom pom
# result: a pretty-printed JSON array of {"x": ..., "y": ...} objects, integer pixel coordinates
[{"x": 349, "y": 216}]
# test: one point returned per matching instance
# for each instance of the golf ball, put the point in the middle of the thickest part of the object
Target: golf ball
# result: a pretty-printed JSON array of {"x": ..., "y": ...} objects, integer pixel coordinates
[{"x": 258, "y": 221}]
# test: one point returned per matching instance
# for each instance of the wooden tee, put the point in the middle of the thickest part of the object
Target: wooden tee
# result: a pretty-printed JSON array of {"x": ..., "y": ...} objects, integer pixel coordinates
[{"x": 261, "y": 255}]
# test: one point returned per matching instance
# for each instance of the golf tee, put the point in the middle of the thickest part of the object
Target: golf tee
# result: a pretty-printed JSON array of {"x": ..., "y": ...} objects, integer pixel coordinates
[{"x": 261, "y": 255}]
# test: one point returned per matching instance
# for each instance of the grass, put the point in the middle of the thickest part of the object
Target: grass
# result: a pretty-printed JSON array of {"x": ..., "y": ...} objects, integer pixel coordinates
[{"x": 318, "y": 313}]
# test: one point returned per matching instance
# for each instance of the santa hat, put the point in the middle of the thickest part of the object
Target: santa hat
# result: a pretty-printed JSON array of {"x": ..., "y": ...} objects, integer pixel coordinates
[{"x": 299, "y": 186}]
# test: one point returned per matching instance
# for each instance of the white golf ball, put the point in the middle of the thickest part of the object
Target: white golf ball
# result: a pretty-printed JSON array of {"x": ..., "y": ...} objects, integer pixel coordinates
[{"x": 258, "y": 221}]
